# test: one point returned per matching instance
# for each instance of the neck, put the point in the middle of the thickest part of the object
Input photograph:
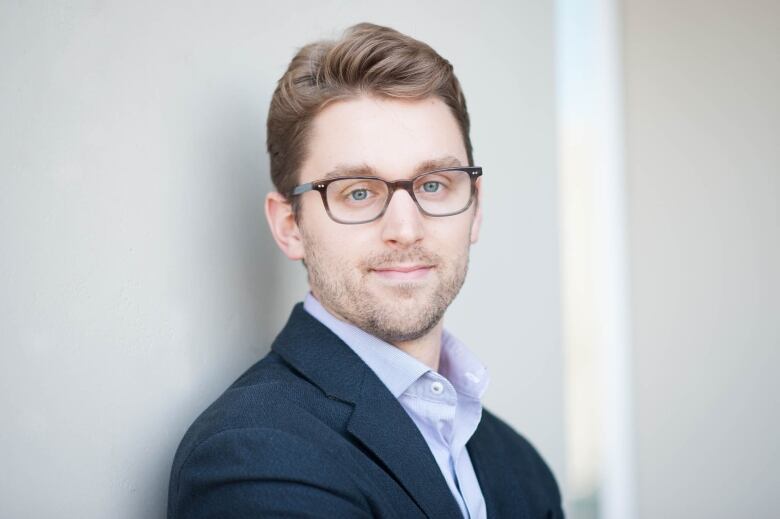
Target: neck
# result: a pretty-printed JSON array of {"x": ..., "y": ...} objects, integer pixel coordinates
[{"x": 426, "y": 349}]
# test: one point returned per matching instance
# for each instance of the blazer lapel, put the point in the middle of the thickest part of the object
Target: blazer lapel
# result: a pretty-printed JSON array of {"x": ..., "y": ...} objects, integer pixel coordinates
[
  {"x": 383, "y": 426},
  {"x": 378, "y": 421}
]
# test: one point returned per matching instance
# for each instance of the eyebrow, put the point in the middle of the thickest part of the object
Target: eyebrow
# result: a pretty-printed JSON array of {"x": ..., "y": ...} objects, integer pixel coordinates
[{"x": 364, "y": 170}]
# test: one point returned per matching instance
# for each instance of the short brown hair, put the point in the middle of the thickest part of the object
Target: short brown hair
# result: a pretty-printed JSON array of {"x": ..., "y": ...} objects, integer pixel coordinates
[{"x": 368, "y": 59}]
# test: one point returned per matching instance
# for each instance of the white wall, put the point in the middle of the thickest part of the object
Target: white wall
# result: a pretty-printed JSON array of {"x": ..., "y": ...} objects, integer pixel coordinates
[
  {"x": 703, "y": 162},
  {"x": 137, "y": 277}
]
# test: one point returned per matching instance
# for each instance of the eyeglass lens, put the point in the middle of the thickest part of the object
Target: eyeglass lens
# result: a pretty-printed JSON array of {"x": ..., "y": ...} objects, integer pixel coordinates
[{"x": 439, "y": 193}]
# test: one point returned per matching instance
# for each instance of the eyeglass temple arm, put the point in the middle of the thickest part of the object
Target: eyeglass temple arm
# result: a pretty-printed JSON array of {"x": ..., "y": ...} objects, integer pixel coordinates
[{"x": 299, "y": 190}]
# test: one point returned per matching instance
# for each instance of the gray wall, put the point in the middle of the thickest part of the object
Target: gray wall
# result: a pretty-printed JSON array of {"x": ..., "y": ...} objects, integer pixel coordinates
[
  {"x": 137, "y": 277},
  {"x": 703, "y": 165}
]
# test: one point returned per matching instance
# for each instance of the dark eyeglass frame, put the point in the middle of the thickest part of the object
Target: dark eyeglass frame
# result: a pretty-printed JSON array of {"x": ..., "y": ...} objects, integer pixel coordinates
[{"x": 407, "y": 185}]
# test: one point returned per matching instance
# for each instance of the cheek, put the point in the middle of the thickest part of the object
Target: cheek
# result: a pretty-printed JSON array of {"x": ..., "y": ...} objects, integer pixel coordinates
[
  {"x": 336, "y": 249},
  {"x": 452, "y": 233}
]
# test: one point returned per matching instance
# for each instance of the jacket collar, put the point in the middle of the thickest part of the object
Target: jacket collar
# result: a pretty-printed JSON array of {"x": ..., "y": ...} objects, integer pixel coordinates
[{"x": 378, "y": 421}]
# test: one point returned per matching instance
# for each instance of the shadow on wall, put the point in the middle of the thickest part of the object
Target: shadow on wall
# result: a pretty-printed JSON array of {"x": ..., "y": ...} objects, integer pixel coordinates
[
  {"x": 256, "y": 263},
  {"x": 240, "y": 279}
]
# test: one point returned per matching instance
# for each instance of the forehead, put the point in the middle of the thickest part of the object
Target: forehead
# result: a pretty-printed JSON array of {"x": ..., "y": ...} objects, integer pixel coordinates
[{"x": 394, "y": 138}]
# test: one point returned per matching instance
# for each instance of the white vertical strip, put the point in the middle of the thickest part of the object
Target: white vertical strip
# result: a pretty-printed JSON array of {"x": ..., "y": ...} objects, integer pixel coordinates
[
  {"x": 595, "y": 258},
  {"x": 618, "y": 489}
]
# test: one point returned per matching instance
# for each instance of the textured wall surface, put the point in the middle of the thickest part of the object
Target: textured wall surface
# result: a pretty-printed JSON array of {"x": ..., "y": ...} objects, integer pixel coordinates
[{"x": 137, "y": 276}]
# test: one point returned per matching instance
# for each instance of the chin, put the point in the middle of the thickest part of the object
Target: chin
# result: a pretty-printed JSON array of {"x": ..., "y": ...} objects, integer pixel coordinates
[
  {"x": 407, "y": 293},
  {"x": 407, "y": 319},
  {"x": 401, "y": 327},
  {"x": 405, "y": 290},
  {"x": 404, "y": 336}
]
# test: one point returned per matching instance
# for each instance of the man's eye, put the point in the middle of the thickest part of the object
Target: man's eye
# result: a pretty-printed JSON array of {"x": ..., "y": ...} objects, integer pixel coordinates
[
  {"x": 358, "y": 194},
  {"x": 431, "y": 186}
]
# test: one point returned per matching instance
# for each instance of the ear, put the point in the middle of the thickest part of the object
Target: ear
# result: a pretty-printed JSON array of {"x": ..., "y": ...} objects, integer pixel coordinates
[
  {"x": 476, "y": 223},
  {"x": 281, "y": 220}
]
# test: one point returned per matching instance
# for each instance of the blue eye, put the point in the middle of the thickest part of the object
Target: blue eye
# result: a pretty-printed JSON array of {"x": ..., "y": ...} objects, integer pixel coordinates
[
  {"x": 431, "y": 186},
  {"x": 359, "y": 194}
]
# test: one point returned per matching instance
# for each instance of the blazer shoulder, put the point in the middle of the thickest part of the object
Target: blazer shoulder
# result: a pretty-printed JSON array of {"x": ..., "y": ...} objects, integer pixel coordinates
[
  {"x": 501, "y": 431},
  {"x": 518, "y": 455},
  {"x": 261, "y": 472},
  {"x": 269, "y": 395},
  {"x": 271, "y": 433}
]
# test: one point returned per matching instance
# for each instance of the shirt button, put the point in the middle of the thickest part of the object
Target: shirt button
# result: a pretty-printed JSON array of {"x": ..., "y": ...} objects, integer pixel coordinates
[{"x": 437, "y": 388}]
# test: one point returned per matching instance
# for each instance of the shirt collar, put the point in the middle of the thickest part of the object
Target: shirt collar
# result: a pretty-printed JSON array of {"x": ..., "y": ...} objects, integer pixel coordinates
[
  {"x": 460, "y": 366},
  {"x": 397, "y": 369}
]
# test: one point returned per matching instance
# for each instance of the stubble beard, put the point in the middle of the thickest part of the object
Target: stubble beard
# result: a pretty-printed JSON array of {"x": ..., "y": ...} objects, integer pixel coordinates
[{"x": 401, "y": 312}]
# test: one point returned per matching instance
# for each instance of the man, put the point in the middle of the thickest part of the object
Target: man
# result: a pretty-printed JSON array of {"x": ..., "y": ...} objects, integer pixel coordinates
[{"x": 366, "y": 406}]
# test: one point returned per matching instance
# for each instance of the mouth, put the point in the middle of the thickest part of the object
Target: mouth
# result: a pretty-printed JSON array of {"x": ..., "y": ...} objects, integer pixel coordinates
[{"x": 403, "y": 272}]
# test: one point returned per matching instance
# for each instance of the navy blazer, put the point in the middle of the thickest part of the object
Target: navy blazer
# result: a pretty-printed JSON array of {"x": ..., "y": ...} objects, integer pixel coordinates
[{"x": 310, "y": 431}]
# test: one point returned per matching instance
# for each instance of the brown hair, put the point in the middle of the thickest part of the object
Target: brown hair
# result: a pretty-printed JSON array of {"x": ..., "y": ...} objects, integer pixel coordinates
[{"x": 368, "y": 59}]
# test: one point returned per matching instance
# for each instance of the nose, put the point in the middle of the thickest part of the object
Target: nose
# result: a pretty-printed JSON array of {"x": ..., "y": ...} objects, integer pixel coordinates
[{"x": 402, "y": 224}]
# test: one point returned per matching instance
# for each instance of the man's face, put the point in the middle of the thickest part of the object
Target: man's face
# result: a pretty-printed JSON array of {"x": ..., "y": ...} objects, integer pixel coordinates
[{"x": 393, "y": 277}]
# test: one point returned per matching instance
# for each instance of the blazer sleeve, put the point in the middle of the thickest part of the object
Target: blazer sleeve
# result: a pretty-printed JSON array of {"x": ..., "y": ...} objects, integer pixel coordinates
[{"x": 260, "y": 472}]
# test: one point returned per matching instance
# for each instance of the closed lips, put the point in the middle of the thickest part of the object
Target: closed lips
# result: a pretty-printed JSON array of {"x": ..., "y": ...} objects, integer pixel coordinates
[
  {"x": 404, "y": 273},
  {"x": 402, "y": 269}
]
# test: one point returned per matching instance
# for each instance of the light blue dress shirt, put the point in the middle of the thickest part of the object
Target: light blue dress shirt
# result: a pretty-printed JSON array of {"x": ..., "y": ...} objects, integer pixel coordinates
[{"x": 446, "y": 406}]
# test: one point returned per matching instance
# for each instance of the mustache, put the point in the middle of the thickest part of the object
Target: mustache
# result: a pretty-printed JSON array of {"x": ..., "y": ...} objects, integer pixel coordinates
[{"x": 417, "y": 255}]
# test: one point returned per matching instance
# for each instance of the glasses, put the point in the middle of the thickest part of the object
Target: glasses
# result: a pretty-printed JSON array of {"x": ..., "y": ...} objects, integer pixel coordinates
[{"x": 351, "y": 200}]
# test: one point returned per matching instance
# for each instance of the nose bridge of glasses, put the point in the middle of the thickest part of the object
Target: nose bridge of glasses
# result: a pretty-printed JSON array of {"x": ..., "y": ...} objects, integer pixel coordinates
[
  {"x": 401, "y": 185},
  {"x": 402, "y": 214}
]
